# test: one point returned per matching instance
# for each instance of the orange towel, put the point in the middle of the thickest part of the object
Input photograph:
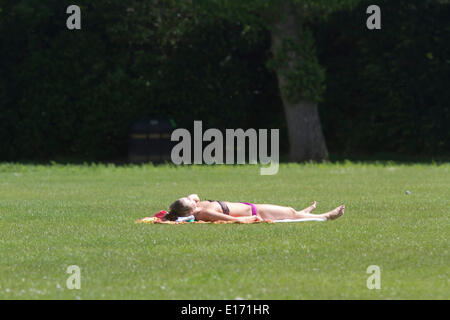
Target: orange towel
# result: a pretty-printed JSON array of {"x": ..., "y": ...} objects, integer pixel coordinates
[
  {"x": 157, "y": 218},
  {"x": 153, "y": 220}
]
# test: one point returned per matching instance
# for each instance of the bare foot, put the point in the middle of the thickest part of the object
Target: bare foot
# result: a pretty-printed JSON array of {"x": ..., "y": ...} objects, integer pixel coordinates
[
  {"x": 334, "y": 214},
  {"x": 310, "y": 208}
]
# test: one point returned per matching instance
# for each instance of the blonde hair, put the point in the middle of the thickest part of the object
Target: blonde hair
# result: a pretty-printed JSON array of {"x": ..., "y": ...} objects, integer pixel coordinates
[{"x": 177, "y": 209}]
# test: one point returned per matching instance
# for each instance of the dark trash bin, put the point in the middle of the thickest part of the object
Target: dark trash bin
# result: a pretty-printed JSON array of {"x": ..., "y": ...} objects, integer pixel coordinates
[{"x": 149, "y": 140}]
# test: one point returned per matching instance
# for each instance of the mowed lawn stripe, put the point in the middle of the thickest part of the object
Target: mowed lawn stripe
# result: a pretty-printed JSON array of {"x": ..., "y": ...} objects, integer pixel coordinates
[{"x": 60, "y": 215}]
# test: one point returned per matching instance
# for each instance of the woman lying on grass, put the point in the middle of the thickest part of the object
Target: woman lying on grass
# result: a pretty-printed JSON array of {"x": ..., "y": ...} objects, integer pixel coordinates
[{"x": 244, "y": 212}]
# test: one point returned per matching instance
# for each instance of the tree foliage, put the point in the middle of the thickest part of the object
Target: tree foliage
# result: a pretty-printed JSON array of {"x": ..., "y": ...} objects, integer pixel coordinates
[{"x": 66, "y": 94}]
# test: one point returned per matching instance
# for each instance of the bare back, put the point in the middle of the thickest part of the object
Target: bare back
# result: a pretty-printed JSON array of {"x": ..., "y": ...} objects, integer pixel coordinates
[{"x": 236, "y": 209}]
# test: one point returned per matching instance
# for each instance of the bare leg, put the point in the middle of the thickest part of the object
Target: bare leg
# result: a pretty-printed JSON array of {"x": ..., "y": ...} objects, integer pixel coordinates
[
  {"x": 336, "y": 213},
  {"x": 331, "y": 215},
  {"x": 274, "y": 212},
  {"x": 310, "y": 208}
]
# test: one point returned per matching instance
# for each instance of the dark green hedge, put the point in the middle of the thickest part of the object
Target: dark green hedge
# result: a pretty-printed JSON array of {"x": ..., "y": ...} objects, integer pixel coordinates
[
  {"x": 388, "y": 89},
  {"x": 73, "y": 94}
]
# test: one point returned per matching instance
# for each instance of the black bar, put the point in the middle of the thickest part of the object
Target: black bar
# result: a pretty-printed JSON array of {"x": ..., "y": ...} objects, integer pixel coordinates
[{"x": 223, "y": 309}]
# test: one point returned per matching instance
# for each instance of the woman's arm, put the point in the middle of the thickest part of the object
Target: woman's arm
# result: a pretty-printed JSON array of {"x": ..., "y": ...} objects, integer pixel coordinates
[
  {"x": 212, "y": 215},
  {"x": 194, "y": 197}
]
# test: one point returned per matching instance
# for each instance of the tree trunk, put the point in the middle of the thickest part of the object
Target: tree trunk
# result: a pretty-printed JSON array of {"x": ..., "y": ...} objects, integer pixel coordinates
[{"x": 306, "y": 138}]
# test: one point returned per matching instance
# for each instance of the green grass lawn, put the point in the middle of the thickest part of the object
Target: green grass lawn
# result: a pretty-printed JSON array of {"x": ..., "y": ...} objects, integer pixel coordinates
[{"x": 55, "y": 216}]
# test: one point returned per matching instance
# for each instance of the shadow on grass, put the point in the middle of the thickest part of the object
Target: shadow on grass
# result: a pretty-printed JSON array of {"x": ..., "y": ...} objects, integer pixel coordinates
[
  {"x": 379, "y": 158},
  {"x": 390, "y": 158}
]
